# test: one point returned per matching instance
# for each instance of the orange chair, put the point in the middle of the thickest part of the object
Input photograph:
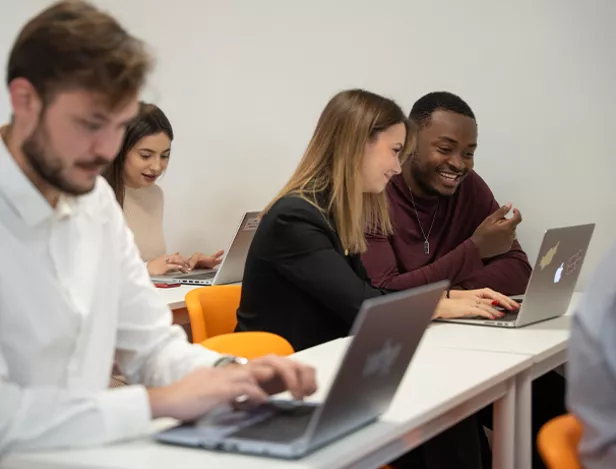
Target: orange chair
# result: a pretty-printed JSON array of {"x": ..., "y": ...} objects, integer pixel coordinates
[
  {"x": 558, "y": 442},
  {"x": 249, "y": 344},
  {"x": 211, "y": 310}
]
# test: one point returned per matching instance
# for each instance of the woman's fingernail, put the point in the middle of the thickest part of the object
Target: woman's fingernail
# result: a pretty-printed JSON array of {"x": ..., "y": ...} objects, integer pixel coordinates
[{"x": 495, "y": 303}]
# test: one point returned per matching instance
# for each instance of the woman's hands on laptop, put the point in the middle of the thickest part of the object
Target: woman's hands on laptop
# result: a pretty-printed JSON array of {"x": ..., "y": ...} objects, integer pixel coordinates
[
  {"x": 168, "y": 263},
  {"x": 204, "y": 389},
  {"x": 201, "y": 261},
  {"x": 473, "y": 303},
  {"x": 465, "y": 308},
  {"x": 490, "y": 296}
]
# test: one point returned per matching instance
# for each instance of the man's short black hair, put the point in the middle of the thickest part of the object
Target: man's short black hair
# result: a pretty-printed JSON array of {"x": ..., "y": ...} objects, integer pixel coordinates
[{"x": 425, "y": 106}]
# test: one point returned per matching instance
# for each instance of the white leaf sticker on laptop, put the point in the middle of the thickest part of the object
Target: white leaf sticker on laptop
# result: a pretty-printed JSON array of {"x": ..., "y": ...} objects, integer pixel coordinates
[{"x": 251, "y": 224}]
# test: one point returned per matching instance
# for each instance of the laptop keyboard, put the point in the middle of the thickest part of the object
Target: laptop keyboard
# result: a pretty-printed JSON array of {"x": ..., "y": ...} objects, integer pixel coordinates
[
  {"x": 507, "y": 317},
  {"x": 203, "y": 276},
  {"x": 282, "y": 427}
]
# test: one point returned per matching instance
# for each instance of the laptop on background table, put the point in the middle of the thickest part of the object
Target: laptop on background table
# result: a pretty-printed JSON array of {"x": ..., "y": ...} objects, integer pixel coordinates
[
  {"x": 231, "y": 269},
  {"x": 386, "y": 334},
  {"x": 552, "y": 282}
]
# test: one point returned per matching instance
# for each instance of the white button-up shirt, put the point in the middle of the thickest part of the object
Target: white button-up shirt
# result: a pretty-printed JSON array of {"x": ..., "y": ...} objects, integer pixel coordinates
[{"x": 74, "y": 292}]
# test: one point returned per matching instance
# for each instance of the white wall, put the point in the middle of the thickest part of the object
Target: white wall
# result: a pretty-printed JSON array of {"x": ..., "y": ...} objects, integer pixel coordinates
[{"x": 244, "y": 81}]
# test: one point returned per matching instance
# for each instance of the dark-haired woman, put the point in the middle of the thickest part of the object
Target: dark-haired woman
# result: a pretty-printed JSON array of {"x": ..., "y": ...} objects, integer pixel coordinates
[{"x": 143, "y": 158}]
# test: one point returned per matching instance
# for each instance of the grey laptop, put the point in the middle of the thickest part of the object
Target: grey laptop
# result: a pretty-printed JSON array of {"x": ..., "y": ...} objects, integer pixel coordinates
[
  {"x": 386, "y": 334},
  {"x": 552, "y": 281},
  {"x": 231, "y": 269}
]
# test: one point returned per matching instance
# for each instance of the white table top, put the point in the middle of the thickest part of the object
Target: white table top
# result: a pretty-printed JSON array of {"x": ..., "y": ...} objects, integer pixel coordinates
[
  {"x": 174, "y": 296},
  {"x": 438, "y": 380},
  {"x": 540, "y": 340}
]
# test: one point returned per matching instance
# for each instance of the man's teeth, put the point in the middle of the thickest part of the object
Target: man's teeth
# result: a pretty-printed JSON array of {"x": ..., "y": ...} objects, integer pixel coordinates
[{"x": 451, "y": 177}]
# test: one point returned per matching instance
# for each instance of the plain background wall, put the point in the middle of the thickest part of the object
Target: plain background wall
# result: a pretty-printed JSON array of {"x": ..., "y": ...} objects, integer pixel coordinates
[{"x": 244, "y": 82}]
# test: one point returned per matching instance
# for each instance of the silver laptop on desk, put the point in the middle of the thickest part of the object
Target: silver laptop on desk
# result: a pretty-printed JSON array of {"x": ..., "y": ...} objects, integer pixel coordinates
[
  {"x": 386, "y": 334},
  {"x": 231, "y": 269},
  {"x": 552, "y": 281}
]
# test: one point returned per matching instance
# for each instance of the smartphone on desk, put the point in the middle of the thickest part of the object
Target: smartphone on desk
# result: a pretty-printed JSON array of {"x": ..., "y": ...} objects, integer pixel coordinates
[{"x": 166, "y": 285}]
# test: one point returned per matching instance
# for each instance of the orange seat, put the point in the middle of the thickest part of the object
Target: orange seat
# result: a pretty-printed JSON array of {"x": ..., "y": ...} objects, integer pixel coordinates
[
  {"x": 249, "y": 344},
  {"x": 212, "y": 310},
  {"x": 558, "y": 442}
]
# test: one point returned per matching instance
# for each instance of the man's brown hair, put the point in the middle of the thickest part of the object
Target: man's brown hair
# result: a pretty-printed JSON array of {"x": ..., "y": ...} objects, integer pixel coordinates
[{"x": 73, "y": 45}]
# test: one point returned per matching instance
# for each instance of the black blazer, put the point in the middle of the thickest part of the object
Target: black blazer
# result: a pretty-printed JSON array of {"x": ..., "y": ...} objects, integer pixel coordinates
[{"x": 297, "y": 282}]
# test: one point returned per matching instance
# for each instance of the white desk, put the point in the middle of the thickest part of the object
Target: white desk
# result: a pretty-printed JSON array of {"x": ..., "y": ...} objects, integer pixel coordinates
[
  {"x": 429, "y": 401},
  {"x": 545, "y": 343},
  {"x": 174, "y": 296}
]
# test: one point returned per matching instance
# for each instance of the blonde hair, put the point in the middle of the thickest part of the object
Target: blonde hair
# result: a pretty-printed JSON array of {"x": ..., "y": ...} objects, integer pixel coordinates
[{"x": 331, "y": 165}]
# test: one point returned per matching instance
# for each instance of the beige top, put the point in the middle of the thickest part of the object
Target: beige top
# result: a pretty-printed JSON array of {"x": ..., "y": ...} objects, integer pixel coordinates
[{"x": 143, "y": 210}]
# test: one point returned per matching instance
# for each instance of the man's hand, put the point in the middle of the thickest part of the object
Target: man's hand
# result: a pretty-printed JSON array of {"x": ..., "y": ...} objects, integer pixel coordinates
[
  {"x": 277, "y": 374},
  {"x": 203, "y": 390},
  {"x": 496, "y": 233},
  {"x": 207, "y": 388}
]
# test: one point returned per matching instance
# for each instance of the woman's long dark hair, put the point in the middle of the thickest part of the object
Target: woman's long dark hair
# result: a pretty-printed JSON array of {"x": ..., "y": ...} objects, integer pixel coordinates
[{"x": 150, "y": 121}]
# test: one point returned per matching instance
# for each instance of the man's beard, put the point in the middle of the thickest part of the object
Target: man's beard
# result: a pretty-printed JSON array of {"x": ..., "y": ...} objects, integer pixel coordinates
[
  {"x": 49, "y": 167},
  {"x": 419, "y": 178}
]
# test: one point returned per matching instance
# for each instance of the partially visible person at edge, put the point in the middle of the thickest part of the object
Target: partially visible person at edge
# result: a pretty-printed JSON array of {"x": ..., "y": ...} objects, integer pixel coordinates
[
  {"x": 304, "y": 278},
  {"x": 447, "y": 223},
  {"x": 143, "y": 158},
  {"x": 73, "y": 291},
  {"x": 591, "y": 368}
]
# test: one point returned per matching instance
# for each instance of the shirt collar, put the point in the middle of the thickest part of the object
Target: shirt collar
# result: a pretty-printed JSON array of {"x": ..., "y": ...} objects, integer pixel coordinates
[{"x": 24, "y": 197}]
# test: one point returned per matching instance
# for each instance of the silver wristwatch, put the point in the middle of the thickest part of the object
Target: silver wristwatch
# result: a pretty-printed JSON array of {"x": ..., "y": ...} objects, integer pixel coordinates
[{"x": 230, "y": 360}]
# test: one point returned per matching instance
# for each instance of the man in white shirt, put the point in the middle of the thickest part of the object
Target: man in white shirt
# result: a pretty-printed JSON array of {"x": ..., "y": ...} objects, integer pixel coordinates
[{"x": 73, "y": 290}]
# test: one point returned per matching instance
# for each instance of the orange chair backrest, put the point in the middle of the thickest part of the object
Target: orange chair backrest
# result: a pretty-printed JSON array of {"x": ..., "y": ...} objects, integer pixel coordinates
[
  {"x": 212, "y": 310},
  {"x": 558, "y": 442},
  {"x": 249, "y": 344}
]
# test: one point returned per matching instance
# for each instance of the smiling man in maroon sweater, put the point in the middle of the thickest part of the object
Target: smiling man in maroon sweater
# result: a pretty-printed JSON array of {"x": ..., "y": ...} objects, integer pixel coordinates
[{"x": 447, "y": 224}]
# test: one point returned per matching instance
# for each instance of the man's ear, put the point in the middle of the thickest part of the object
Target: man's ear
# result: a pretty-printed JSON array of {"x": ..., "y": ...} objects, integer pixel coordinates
[{"x": 26, "y": 103}]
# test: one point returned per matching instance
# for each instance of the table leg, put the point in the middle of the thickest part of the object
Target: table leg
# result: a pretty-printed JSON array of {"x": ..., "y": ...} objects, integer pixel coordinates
[
  {"x": 503, "y": 438},
  {"x": 523, "y": 420}
]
